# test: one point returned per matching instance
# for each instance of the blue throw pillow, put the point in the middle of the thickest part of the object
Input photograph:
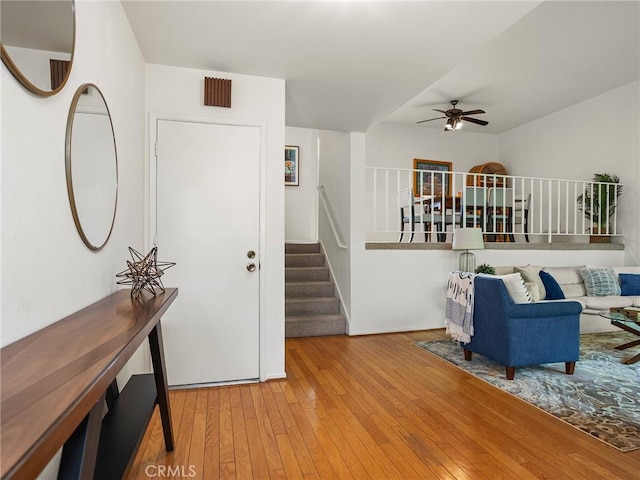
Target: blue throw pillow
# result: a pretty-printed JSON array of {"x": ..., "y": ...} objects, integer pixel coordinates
[
  {"x": 554, "y": 292},
  {"x": 629, "y": 283}
]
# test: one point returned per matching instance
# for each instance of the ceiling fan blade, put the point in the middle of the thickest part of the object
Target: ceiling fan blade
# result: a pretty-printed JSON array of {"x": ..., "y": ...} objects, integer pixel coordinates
[
  {"x": 437, "y": 118},
  {"x": 474, "y": 120},
  {"x": 441, "y": 111},
  {"x": 473, "y": 112}
]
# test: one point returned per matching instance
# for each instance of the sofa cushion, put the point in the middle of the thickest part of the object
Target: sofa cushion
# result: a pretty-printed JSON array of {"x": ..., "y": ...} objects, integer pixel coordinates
[
  {"x": 504, "y": 270},
  {"x": 530, "y": 274},
  {"x": 600, "y": 281},
  {"x": 626, "y": 269},
  {"x": 554, "y": 292},
  {"x": 569, "y": 279},
  {"x": 515, "y": 286},
  {"x": 629, "y": 284},
  {"x": 605, "y": 302},
  {"x": 580, "y": 300}
]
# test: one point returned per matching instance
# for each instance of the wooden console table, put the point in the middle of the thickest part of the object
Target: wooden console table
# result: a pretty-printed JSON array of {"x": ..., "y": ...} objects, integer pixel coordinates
[{"x": 55, "y": 383}]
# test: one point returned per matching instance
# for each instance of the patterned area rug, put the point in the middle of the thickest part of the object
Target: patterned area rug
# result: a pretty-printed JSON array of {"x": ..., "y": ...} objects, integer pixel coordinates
[{"x": 602, "y": 398}]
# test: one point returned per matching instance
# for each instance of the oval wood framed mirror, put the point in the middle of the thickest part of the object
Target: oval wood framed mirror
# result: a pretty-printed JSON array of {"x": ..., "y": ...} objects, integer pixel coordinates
[
  {"x": 92, "y": 166},
  {"x": 38, "y": 41}
]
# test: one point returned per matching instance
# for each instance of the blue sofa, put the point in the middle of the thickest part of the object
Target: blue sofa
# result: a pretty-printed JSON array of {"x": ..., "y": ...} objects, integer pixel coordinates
[{"x": 515, "y": 335}]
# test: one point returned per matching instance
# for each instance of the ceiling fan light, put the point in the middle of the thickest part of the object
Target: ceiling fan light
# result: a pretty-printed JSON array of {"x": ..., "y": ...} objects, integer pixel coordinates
[{"x": 455, "y": 117}]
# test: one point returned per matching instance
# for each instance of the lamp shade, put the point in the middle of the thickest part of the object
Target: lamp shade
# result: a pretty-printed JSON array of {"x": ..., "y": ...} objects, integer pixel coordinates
[{"x": 467, "y": 239}]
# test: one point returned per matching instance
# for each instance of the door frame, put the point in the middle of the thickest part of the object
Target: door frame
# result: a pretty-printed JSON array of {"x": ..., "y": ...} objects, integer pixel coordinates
[{"x": 151, "y": 210}]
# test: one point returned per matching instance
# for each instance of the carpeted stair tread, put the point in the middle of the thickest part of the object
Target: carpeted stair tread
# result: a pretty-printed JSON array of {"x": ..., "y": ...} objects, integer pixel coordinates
[
  {"x": 293, "y": 248},
  {"x": 311, "y": 306},
  {"x": 298, "y": 274},
  {"x": 309, "y": 289},
  {"x": 304, "y": 260},
  {"x": 314, "y": 325}
]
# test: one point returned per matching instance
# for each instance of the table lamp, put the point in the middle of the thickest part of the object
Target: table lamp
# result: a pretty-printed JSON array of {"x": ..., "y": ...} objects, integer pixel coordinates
[{"x": 467, "y": 239}]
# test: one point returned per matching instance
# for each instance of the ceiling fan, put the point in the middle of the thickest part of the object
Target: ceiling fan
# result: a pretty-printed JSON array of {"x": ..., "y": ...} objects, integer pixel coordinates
[{"x": 455, "y": 117}]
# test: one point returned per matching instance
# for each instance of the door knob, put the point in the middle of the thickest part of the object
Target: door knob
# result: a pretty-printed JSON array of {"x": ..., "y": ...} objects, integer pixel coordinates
[
  {"x": 251, "y": 254},
  {"x": 251, "y": 267}
]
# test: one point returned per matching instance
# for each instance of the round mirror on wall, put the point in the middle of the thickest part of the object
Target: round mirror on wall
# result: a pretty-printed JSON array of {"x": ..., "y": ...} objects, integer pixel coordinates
[
  {"x": 92, "y": 166},
  {"x": 38, "y": 41}
]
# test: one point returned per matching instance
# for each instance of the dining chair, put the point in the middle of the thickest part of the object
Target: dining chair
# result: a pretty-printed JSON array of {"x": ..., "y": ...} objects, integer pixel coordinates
[
  {"x": 521, "y": 213},
  {"x": 500, "y": 213},
  {"x": 442, "y": 211},
  {"x": 474, "y": 206},
  {"x": 413, "y": 211},
  {"x": 406, "y": 200}
]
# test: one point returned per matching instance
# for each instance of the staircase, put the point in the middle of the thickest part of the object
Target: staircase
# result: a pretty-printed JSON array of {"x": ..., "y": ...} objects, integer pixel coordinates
[{"x": 311, "y": 308}]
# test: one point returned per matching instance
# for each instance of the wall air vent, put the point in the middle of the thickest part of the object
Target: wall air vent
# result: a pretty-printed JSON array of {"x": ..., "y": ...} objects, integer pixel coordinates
[{"x": 217, "y": 92}]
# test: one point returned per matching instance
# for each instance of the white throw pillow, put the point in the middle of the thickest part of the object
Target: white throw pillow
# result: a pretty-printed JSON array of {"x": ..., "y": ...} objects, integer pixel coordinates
[{"x": 516, "y": 288}]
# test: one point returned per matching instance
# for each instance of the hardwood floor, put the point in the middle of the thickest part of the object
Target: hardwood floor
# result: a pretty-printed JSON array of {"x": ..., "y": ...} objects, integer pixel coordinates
[{"x": 372, "y": 407}]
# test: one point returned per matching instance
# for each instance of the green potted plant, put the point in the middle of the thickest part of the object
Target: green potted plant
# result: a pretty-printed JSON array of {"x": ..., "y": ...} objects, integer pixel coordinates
[
  {"x": 485, "y": 268},
  {"x": 599, "y": 203}
]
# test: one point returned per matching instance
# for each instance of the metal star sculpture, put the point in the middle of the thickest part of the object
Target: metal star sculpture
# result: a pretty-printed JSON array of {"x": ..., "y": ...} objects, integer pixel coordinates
[{"x": 144, "y": 272}]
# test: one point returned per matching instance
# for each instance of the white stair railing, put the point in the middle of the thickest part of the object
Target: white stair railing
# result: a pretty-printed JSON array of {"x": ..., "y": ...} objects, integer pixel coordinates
[
  {"x": 496, "y": 203},
  {"x": 324, "y": 200}
]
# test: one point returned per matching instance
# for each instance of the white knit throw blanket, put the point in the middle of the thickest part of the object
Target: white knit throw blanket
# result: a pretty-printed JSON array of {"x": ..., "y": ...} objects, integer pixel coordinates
[{"x": 459, "y": 308}]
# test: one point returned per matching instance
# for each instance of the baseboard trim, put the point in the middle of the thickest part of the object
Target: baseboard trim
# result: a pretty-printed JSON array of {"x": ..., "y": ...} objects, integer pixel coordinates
[{"x": 274, "y": 376}]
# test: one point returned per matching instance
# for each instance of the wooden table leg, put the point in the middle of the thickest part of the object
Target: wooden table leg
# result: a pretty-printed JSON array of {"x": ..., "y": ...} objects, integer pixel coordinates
[
  {"x": 160, "y": 373},
  {"x": 78, "y": 461},
  {"x": 633, "y": 343},
  {"x": 624, "y": 346},
  {"x": 632, "y": 360}
]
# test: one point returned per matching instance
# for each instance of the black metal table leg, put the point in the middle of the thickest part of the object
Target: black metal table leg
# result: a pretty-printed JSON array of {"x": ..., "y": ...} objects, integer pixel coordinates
[
  {"x": 112, "y": 393},
  {"x": 160, "y": 374},
  {"x": 80, "y": 451}
]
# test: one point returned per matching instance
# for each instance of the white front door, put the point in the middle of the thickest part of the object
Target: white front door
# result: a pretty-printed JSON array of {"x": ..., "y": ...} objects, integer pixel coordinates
[{"x": 208, "y": 223}]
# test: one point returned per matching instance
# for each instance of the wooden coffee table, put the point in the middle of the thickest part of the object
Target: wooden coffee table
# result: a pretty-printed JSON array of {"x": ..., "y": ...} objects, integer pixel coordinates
[{"x": 628, "y": 319}]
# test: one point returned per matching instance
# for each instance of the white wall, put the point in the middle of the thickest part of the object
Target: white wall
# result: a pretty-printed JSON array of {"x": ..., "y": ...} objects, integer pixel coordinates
[
  {"x": 595, "y": 136},
  {"x": 174, "y": 92},
  {"x": 395, "y": 145},
  {"x": 334, "y": 174},
  {"x": 401, "y": 290},
  {"x": 47, "y": 272},
  {"x": 301, "y": 202}
]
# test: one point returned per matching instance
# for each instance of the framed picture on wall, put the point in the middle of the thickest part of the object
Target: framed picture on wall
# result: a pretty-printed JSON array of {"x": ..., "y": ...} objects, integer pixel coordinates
[
  {"x": 291, "y": 165},
  {"x": 429, "y": 179}
]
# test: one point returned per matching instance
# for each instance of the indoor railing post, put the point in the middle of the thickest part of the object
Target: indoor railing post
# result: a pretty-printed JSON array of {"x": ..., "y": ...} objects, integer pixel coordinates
[{"x": 549, "y": 213}]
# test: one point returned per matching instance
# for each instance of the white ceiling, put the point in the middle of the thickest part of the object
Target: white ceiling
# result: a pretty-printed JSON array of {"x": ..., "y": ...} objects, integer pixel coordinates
[{"x": 350, "y": 65}]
